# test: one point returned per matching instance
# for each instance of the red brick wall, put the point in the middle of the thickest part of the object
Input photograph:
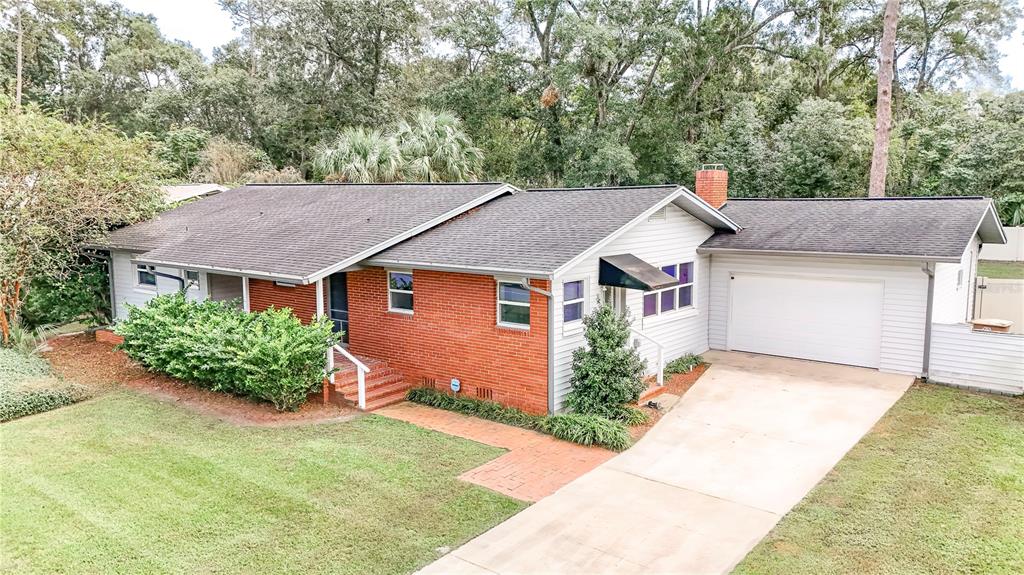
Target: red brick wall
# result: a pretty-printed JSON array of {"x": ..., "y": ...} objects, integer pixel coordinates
[
  {"x": 453, "y": 333},
  {"x": 301, "y": 298},
  {"x": 712, "y": 187}
]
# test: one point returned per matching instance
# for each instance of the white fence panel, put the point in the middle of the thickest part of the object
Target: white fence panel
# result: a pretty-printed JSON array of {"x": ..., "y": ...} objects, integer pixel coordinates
[
  {"x": 1001, "y": 299},
  {"x": 1011, "y": 251},
  {"x": 982, "y": 360}
]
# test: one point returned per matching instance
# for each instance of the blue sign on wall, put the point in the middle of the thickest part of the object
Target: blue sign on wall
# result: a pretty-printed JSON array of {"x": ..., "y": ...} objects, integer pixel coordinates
[{"x": 456, "y": 385}]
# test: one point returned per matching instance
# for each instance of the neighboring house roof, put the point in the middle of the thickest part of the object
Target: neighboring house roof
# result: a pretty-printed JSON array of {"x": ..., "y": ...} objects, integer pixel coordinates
[
  {"x": 540, "y": 231},
  {"x": 180, "y": 192},
  {"x": 296, "y": 232},
  {"x": 935, "y": 229}
]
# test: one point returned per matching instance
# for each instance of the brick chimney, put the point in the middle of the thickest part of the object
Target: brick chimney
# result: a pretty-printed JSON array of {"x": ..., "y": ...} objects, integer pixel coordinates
[{"x": 713, "y": 184}]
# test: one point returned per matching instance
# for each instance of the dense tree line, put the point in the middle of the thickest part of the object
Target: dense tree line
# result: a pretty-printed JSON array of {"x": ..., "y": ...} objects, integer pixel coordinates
[{"x": 549, "y": 92}]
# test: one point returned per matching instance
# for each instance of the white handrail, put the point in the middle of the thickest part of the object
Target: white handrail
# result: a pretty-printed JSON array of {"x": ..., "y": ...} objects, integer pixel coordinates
[
  {"x": 661, "y": 354},
  {"x": 361, "y": 371}
]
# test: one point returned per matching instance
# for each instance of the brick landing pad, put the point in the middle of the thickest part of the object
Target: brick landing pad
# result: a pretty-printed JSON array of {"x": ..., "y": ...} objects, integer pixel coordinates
[{"x": 536, "y": 465}]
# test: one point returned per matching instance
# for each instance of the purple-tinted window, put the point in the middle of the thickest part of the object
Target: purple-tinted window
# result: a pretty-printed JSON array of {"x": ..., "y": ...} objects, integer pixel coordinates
[
  {"x": 573, "y": 290},
  {"x": 668, "y": 300},
  {"x": 670, "y": 270},
  {"x": 685, "y": 296},
  {"x": 650, "y": 304},
  {"x": 572, "y": 312},
  {"x": 686, "y": 273}
]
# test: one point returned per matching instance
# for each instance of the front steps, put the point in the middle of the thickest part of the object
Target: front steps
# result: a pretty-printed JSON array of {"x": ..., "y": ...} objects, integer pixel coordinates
[{"x": 385, "y": 385}]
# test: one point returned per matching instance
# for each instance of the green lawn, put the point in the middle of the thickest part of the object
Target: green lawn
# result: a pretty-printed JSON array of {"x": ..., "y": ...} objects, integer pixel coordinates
[
  {"x": 936, "y": 487},
  {"x": 1001, "y": 270},
  {"x": 125, "y": 484}
]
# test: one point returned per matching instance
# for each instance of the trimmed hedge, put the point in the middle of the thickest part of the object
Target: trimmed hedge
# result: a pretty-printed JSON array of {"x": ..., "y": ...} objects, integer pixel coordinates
[
  {"x": 582, "y": 429},
  {"x": 27, "y": 386},
  {"x": 269, "y": 356}
]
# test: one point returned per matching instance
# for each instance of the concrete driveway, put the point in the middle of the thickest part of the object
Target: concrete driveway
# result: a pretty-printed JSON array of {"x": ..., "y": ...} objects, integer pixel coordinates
[{"x": 743, "y": 446}]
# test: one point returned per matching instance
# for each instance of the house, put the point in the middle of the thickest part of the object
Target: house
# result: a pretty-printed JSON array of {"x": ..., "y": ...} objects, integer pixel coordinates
[
  {"x": 485, "y": 286},
  {"x": 180, "y": 192}
]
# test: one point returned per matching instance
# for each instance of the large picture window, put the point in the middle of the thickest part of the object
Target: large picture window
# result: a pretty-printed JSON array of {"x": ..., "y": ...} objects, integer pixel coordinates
[
  {"x": 679, "y": 296},
  {"x": 513, "y": 305},
  {"x": 400, "y": 292}
]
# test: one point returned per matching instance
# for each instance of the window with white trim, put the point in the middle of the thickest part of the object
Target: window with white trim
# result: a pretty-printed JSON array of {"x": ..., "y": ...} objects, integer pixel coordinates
[
  {"x": 513, "y": 305},
  {"x": 144, "y": 276},
  {"x": 572, "y": 301},
  {"x": 192, "y": 279},
  {"x": 400, "y": 292},
  {"x": 679, "y": 296}
]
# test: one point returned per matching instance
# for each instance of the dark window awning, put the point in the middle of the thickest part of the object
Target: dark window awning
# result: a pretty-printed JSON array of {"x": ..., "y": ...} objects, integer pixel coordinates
[{"x": 631, "y": 272}]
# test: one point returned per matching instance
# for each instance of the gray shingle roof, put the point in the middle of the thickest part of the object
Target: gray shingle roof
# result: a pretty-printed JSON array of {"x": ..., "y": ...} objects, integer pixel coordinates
[
  {"x": 536, "y": 231},
  {"x": 295, "y": 230},
  {"x": 930, "y": 228}
]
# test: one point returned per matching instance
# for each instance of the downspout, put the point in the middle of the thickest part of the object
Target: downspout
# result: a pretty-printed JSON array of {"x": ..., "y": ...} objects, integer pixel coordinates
[
  {"x": 926, "y": 359},
  {"x": 525, "y": 283},
  {"x": 179, "y": 279},
  {"x": 551, "y": 350}
]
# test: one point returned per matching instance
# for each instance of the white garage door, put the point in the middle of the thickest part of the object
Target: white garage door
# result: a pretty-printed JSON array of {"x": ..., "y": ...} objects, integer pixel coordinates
[{"x": 834, "y": 320}]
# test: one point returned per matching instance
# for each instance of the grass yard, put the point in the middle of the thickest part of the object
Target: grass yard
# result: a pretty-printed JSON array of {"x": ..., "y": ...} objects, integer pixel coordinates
[
  {"x": 1001, "y": 270},
  {"x": 936, "y": 487},
  {"x": 126, "y": 484}
]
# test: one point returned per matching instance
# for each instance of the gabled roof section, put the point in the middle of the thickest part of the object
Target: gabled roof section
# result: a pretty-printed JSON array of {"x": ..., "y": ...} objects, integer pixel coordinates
[
  {"x": 932, "y": 229},
  {"x": 540, "y": 231},
  {"x": 297, "y": 232}
]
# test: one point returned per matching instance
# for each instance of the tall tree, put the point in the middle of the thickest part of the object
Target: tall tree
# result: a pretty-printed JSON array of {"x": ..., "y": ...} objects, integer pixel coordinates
[
  {"x": 883, "y": 104},
  {"x": 20, "y": 57}
]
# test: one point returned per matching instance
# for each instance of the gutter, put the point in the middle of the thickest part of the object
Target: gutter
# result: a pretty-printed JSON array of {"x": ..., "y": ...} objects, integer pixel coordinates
[
  {"x": 884, "y": 257},
  {"x": 926, "y": 359}
]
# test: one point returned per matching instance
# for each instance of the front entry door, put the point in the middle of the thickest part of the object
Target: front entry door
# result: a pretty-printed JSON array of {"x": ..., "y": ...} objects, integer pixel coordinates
[
  {"x": 615, "y": 297},
  {"x": 339, "y": 304}
]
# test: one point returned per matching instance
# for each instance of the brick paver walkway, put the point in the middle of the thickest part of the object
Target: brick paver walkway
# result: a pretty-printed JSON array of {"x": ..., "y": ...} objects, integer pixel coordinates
[{"x": 536, "y": 465}]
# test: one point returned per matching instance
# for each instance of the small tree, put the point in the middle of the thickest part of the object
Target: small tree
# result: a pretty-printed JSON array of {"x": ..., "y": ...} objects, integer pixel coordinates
[
  {"x": 63, "y": 186},
  {"x": 607, "y": 374}
]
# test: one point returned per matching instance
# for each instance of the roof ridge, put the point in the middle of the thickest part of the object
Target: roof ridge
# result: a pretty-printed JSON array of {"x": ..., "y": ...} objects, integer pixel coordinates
[
  {"x": 373, "y": 183},
  {"x": 887, "y": 198},
  {"x": 599, "y": 188}
]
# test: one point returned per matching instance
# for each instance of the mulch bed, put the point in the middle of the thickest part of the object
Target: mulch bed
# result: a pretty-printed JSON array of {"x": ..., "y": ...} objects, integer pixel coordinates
[
  {"x": 82, "y": 359},
  {"x": 676, "y": 384}
]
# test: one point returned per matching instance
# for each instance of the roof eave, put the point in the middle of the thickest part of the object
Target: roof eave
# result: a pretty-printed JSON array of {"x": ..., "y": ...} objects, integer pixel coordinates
[
  {"x": 845, "y": 255},
  {"x": 990, "y": 229},
  {"x": 694, "y": 205}
]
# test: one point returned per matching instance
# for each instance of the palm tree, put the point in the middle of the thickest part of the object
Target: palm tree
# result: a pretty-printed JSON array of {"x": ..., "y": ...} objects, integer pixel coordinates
[
  {"x": 359, "y": 155},
  {"x": 435, "y": 148}
]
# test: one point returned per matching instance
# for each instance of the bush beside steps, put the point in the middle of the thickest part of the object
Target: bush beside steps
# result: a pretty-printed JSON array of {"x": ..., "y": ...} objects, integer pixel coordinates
[
  {"x": 577, "y": 428},
  {"x": 268, "y": 356}
]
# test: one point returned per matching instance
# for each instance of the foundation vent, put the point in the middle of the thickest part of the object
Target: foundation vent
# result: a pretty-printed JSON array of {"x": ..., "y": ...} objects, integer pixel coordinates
[{"x": 485, "y": 393}]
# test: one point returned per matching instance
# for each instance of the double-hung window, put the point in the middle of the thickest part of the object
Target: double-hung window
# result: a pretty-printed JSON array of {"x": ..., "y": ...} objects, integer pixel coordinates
[
  {"x": 400, "y": 292},
  {"x": 144, "y": 276},
  {"x": 192, "y": 279},
  {"x": 572, "y": 301},
  {"x": 513, "y": 305},
  {"x": 679, "y": 296}
]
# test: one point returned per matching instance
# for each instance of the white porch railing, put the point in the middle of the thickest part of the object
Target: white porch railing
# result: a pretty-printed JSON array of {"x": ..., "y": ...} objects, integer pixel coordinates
[
  {"x": 361, "y": 371},
  {"x": 661, "y": 354}
]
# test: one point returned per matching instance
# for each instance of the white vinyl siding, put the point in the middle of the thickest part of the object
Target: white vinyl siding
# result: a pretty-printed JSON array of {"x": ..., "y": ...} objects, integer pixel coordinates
[
  {"x": 982, "y": 360},
  {"x": 127, "y": 291},
  {"x": 659, "y": 242},
  {"x": 954, "y": 297},
  {"x": 904, "y": 298}
]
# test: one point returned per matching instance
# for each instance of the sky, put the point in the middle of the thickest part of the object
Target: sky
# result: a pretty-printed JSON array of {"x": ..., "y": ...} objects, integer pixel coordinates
[{"x": 204, "y": 25}]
